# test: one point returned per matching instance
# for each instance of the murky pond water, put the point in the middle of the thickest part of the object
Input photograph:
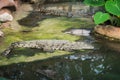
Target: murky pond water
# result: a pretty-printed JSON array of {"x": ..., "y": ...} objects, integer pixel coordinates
[{"x": 100, "y": 64}]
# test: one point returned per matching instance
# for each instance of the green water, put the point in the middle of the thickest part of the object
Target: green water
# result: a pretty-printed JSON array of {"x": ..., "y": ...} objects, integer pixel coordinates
[{"x": 101, "y": 64}]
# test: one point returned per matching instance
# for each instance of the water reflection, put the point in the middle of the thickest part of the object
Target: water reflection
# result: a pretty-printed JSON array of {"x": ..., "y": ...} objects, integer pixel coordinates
[{"x": 91, "y": 65}]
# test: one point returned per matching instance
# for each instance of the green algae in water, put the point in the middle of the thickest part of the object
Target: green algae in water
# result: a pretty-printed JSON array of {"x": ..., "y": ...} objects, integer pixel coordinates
[
  {"x": 27, "y": 64},
  {"x": 90, "y": 65},
  {"x": 51, "y": 28}
]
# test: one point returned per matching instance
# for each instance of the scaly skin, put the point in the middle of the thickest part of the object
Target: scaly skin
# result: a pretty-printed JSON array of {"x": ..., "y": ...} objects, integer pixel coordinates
[{"x": 49, "y": 45}]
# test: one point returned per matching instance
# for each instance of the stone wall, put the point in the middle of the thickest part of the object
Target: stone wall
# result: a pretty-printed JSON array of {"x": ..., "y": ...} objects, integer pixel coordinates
[
  {"x": 77, "y": 9},
  {"x": 7, "y": 7}
]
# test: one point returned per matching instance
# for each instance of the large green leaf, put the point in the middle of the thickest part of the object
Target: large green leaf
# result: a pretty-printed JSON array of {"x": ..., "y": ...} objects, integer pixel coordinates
[
  {"x": 100, "y": 17},
  {"x": 94, "y": 2},
  {"x": 113, "y": 7}
]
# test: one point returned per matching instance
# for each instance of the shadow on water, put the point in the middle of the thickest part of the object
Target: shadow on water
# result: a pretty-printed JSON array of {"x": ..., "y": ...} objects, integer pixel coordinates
[
  {"x": 101, "y": 64},
  {"x": 24, "y": 52},
  {"x": 31, "y": 20}
]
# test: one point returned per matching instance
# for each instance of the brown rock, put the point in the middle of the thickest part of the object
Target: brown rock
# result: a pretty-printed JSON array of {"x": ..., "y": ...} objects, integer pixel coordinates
[
  {"x": 8, "y": 3},
  {"x": 6, "y": 25},
  {"x": 6, "y": 9},
  {"x": 109, "y": 31}
]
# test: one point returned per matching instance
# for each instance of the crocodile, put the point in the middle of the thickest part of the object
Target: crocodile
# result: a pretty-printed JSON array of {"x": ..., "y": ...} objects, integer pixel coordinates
[{"x": 49, "y": 45}]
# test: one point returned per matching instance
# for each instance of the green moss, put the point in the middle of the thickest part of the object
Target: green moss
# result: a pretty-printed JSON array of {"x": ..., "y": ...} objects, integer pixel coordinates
[
  {"x": 28, "y": 55},
  {"x": 51, "y": 28}
]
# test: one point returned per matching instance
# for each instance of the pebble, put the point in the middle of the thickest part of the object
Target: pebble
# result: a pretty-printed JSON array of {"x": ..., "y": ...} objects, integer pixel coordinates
[{"x": 6, "y": 17}]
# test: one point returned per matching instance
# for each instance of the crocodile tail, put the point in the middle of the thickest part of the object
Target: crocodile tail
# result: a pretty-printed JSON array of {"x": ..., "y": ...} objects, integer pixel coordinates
[{"x": 7, "y": 51}]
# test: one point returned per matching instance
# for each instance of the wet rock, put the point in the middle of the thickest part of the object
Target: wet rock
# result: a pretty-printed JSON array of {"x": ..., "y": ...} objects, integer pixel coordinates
[
  {"x": 8, "y": 3},
  {"x": 49, "y": 73},
  {"x": 5, "y": 15},
  {"x": 78, "y": 32},
  {"x": 111, "y": 32},
  {"x": 7, "y": 7},
  {"x": 5, "y": 25}
]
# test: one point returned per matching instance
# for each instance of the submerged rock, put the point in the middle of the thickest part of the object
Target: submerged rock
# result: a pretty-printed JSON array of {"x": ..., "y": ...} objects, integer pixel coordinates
[
  {"x": 49, "y": 73},
  {"x": 78, "y": 32}
]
